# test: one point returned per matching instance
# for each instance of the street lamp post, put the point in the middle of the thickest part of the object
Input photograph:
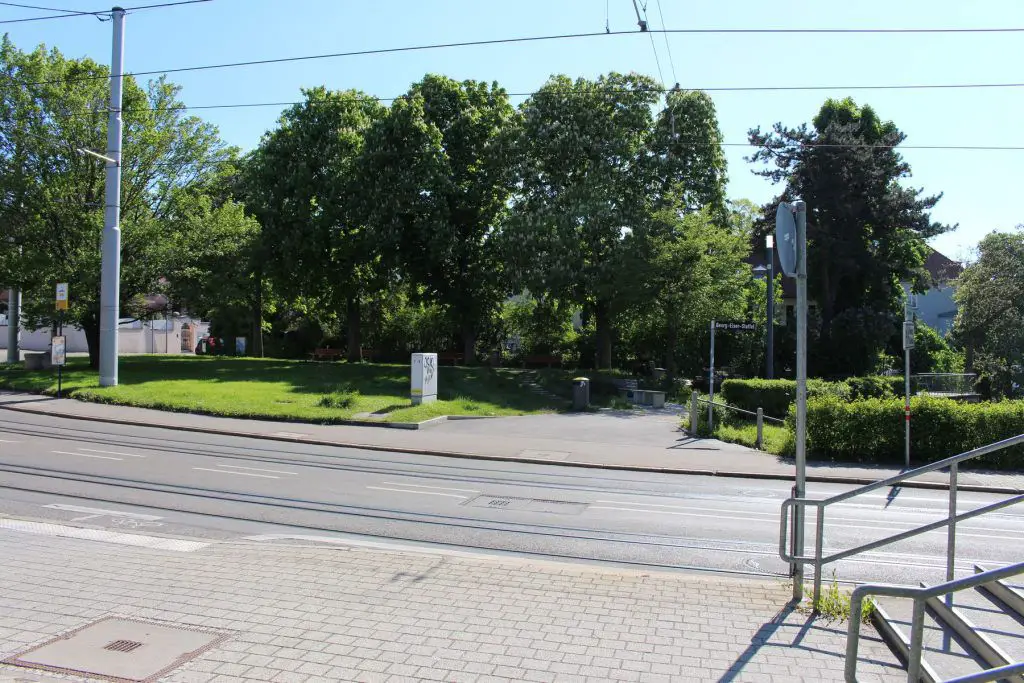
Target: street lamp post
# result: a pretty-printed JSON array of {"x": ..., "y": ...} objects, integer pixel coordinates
[{"x": 770, "y": 351}]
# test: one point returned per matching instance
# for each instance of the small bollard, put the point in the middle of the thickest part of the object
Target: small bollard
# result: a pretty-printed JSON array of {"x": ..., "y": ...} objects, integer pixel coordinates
[
  {"x": 760, "y": 428},
  {"x": 693, "y": 414}
]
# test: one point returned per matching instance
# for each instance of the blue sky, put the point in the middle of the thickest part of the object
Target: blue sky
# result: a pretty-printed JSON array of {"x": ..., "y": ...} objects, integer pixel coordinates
[{"x": 980, "y": 187}]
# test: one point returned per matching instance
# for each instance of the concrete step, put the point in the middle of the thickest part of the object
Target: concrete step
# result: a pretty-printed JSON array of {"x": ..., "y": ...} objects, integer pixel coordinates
[
  {"x": 944, "y": 654},
  {"x": 1009, "y": 594}
]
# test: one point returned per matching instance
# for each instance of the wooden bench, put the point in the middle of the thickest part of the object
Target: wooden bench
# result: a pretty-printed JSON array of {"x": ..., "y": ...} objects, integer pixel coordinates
[
  {"x": 326, "y": 354},
  {"x": 546, "y": 361},
  {"x": 367, "y": 354},
  {"x": 452, "y": 357}
]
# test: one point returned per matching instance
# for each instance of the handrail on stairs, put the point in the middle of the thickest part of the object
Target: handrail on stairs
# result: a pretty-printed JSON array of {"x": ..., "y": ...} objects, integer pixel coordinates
[
  {"x": 818, "y": 560},
  {"x": 919, "y": 596}
]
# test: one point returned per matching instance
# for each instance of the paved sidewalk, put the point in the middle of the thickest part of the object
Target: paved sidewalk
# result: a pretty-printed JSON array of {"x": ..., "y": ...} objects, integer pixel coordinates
[
  {"x": 636, "y": 440},
  {"x": 305, "y": 611}
]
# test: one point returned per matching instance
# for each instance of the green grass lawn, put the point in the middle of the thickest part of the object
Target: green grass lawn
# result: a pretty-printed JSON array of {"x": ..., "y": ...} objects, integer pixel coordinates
[
  {"x": 286, "y": 389},
  {"x": 777, "y": 440}
]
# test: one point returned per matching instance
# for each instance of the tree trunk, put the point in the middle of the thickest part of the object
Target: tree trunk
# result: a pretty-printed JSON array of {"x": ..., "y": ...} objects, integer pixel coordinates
[
  {"x": 468, "y": 344},
  {"x": 355, "y": 351},
  {"x": 671, "y": 366},
  {"x": 603, "y": 323},
  {"x": 257, "y": 319},
  {"x": 91, "y": 326}
]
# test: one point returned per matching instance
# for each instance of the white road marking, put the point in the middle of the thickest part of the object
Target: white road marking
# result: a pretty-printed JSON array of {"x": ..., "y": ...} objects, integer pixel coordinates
[
  {"x": 8, "y": 441},
  {"x": 86, "y": 455},
  {"x": 128, "y": 455},
  {"x": 422, "y": 493},
  {"x": 962, "y": 526},
  {"x": 241, "y": 474},
  {"x": 770, "y": 521},
  {"x": 137, "y": 540},
  {"x": 97, "y": 512},
  {"x": 422, "y": 486},
  {"x": 255, "y": 469}
]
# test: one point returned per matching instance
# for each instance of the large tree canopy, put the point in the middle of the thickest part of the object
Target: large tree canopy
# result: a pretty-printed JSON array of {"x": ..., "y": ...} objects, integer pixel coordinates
[
  {"x": 439, "y": 176},
  {"x": 865, "y": 230},
  {"x": 990, "y": 316},
  {"x": 51, "y": 195},
  {"x": 594, "y": 165},
  {"x": 304, "y": 187}
]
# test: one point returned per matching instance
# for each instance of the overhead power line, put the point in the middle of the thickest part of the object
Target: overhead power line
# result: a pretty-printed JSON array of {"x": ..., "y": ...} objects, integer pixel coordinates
[
  {"x": 76, "y": 13},
  {"x": 506, "y": 41}
]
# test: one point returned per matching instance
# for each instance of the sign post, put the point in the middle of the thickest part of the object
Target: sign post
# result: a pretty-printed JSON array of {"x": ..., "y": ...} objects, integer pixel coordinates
[
  {"x": 58, "y": 347},
  {"x": 791, "y": 242},
  {"x": 908, "y": 344},
  {"x": 424, "y": 378}
]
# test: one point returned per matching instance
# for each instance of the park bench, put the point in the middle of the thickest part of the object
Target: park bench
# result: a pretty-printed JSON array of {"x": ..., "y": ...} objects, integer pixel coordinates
[
  {"x": 452, "y": 357},
  {"x": 326, "y": 354},
  {"x": 546, "y": 361},
  {"x": 367, "y": 354}
]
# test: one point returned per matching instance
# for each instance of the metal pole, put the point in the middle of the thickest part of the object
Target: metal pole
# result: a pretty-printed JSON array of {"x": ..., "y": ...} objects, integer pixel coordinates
[
  {"x": 770, "y": 351},
  {"x": 711, "y": 382},
  {"x": 916, "y": 642},
  {"x": 13, "y": 325},
  {"x": 907, "y": 317},
  {"x": 760, "y": 427},
  {"x": 801, "y": 388},
  {"x": 60, "y": 368},
  {"x": 954, "y": 471},
  {"x": 693, "y": 413},
  {"x": 110, "y": 285}
]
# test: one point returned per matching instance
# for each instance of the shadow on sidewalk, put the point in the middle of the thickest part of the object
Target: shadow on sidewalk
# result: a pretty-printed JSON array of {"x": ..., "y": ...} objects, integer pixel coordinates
[{"x": 773, "y": 634}]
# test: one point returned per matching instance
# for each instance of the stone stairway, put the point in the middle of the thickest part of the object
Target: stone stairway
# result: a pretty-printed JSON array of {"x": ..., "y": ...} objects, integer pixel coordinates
[{"x": 965, "y": 633}]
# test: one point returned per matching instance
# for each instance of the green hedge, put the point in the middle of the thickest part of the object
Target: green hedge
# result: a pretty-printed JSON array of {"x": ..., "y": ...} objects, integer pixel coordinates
[
  {"x": 775, "y": 395},
  {"x": 875, "y": 387},
  {"x": 872, "y": 430}
]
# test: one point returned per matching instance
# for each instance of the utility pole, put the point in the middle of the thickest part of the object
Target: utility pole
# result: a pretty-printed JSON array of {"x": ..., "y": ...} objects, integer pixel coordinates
[
  {"x": 110, "y": 284},
  {"x": 13, "y": 325},
  {"x": 770, "y": 351}
]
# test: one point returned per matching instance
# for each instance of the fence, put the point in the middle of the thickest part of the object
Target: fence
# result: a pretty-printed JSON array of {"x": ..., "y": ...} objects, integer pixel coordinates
[
  {"x": 758, "y": 415},
  {"x": 943, "y": 383}
]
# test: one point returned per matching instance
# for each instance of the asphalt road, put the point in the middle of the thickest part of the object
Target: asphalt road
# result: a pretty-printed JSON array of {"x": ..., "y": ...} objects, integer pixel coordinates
[{"x": 159, "y": 482}]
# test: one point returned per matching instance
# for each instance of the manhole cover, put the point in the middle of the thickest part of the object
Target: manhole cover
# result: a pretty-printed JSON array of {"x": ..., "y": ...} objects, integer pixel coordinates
[
  {"x": 120, "y": 650},
  {"x": 561, "y": 507}
]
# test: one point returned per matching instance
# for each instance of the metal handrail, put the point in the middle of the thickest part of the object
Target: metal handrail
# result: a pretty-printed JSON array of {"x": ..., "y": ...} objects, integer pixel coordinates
[
  {"x": 920, "y": 596},
  {"x": 953, "y": 462}
]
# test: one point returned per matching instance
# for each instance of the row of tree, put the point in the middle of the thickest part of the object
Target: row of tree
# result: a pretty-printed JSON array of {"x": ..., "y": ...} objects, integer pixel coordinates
[{"x": 423, "y": 223}]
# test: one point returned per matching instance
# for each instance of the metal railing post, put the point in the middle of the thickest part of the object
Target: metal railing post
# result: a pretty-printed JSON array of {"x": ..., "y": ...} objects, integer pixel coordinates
[
  {"x": 693, "y": 413},
  {"x": 916, "y": 642},
  {"x": 954, "y": 472},
  {"x": 798, "y": 591},
  {"x": 818, "y": 552},
  {"x": 760, "y": 428},
  {"x": 853, "y": 635}
]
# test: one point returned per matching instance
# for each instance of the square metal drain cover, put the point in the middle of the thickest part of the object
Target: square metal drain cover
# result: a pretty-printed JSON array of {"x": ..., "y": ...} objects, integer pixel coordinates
[
  {"x": 116, "y": 649},
  {"x": 558, "y": 507}
]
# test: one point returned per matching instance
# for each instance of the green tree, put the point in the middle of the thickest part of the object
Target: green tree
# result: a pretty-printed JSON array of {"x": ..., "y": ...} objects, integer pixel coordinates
[
  {"x": 439, "y": 175},
  {"x": 990, "y": 310},
  {"x": 51, "y": 195},
  {"x": 693, "y": 271},
  {"x": 865, "y": 230},
  {"x": 595, "y": 163},
  {"x": 304, "y": 187}
]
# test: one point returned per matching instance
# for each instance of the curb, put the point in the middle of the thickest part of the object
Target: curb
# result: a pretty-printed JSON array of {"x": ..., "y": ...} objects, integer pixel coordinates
[{"x": 821, "y": 479}]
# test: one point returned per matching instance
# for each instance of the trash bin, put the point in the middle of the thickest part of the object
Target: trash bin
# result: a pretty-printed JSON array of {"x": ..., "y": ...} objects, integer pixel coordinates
[{"x": 580, "y": 393}]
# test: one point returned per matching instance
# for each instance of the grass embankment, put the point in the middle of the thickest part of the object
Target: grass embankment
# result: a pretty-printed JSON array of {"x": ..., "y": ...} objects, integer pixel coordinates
[{"x": 287, "y": 389}]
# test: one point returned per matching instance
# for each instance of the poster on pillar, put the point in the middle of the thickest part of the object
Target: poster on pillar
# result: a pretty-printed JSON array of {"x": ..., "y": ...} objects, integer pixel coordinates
[
  {"x": 424, "y": 378},
  {"x": 58, "y": 351}
]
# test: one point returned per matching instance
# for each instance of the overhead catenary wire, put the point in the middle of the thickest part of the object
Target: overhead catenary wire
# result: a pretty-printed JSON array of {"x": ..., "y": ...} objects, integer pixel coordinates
[
  {"x": 506, "y": 41},
  {"x": 668, "y": 48},
  {"x": 78, "y": 13}
]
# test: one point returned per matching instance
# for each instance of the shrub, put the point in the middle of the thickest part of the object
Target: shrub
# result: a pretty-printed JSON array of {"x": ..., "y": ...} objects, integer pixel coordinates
[
  {"x": 775, "y": 396},
  {"x": 875, "y": 386},
  {"x": 872, "y": 430},
  {"x": 342, "y": 397}
]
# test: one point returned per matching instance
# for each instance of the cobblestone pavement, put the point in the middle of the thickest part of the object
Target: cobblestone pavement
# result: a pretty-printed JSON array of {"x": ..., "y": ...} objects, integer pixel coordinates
[{"x": 299, "y": 611}]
